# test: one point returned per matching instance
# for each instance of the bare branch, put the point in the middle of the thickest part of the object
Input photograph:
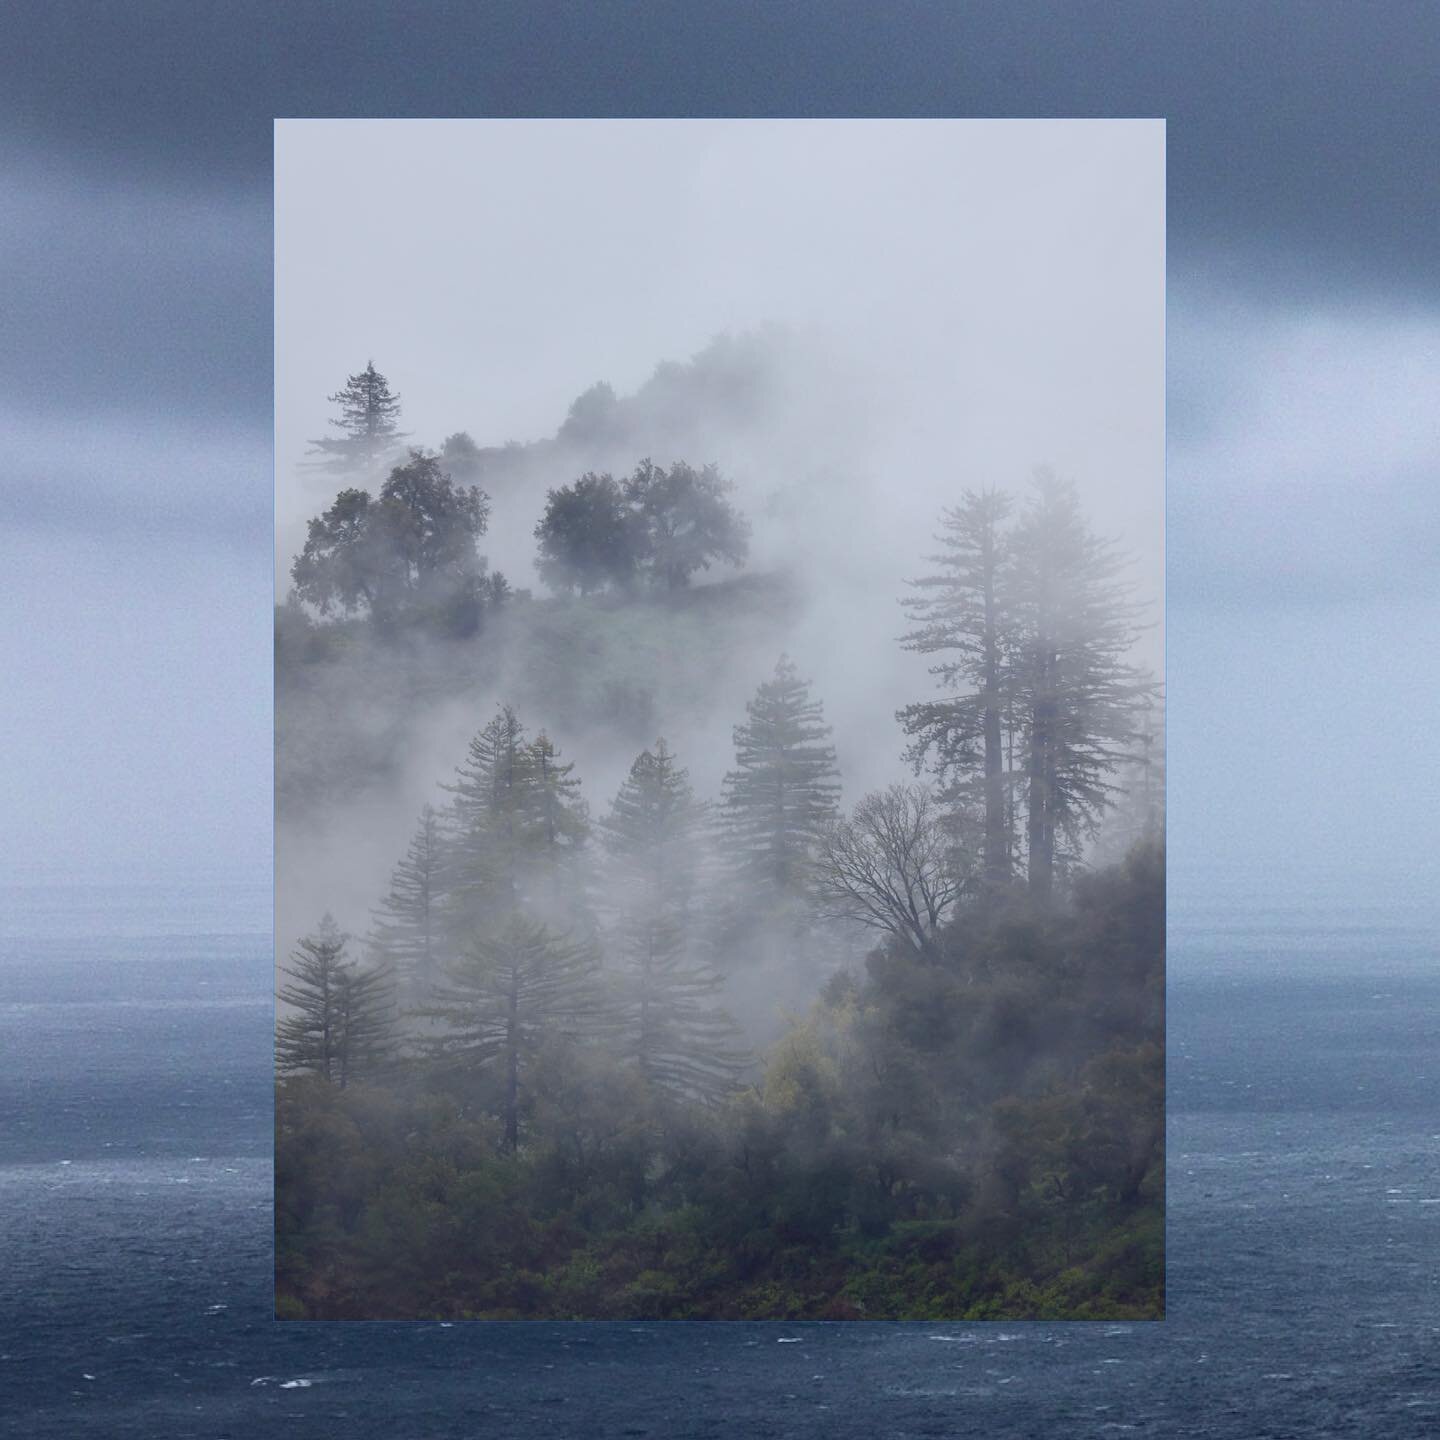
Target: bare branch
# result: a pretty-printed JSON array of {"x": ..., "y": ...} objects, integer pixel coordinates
[{"x": 891, "y": 866}]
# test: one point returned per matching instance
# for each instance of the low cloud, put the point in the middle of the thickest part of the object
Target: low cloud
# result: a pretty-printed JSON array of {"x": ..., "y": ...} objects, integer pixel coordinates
[
  {"x": 118, "y": 475},
  {"x": 1304, "y": 446}
]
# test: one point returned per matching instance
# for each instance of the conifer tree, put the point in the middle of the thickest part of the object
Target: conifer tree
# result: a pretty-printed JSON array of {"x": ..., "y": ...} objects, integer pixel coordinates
[
  {"x": 519, "y": 987},
  {"x": 964, "y": 617},
  {"x": 407, "y": 936},
  {"x": 1138, "y": 814},
  {"x": 491, "y": 813},
  {"x": 341, "y": 1025},
  {"x": 784, "y": 788},
  {"x": 1080, "y": 696},
  {"x": 561, "y": 828},
  {"x": 682, "y": 1040},
  {"x": 775, "y": 806},
  {"x": 368, "y": 424},
  {"x": 365, "y": 1009},
  {"x": 520, "y": 831}
]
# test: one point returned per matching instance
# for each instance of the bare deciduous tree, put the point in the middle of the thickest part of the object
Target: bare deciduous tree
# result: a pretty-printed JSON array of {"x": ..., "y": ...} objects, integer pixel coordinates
[{"x": 891, "y": 866}]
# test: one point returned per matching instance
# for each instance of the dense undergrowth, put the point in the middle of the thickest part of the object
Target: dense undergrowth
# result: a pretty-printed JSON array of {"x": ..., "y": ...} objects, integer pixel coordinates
[{"x": 974, "y": 1136}]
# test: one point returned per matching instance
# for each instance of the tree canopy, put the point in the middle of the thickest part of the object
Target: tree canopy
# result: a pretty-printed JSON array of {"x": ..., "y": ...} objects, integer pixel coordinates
[
  {"x": 658, "y": 525},
  {"x": 965, "y": 617},
  {"x": 341, "y": 1014},
  {"x": 1034, "y": 624},
  {"x": 676, "y": 1030},
  {"x": 782, "y": 793},
  {"x": 461, "y": 456},
  {"x": 892, "y": 866},
  {"x": 517, "y": 989},
  {"x": 685, "y": 521},
  {"x": 590, "y": 538},
  {"x": 410, "y": 555}
]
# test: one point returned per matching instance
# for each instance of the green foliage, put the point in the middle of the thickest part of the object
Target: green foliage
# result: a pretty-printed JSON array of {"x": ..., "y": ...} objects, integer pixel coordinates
[
  {"x": 964, "y": 615},
  {"x": 968, "y": 1125},
  {"x": 658, "y": 525},
  {"x": 344, "y": 564},
  {"x": 340, "y": 1020},
  {"x": 407, "y": 557},
  {"x": 977, "y": 1135},
  {"x": 593, "y": 419},
  {"x": 1078, "y": 691},
  {"x": 519, "y": 831},
  {"x": 589, "y": 538},
  {"x": 351, "y": 702},
  {"x": 461, "y": 456},
  {"x": 518, "y": 988}
]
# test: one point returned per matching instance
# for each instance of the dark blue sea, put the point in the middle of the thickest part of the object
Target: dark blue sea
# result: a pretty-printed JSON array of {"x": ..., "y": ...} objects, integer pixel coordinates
[{"x": 135, "y": 1217}]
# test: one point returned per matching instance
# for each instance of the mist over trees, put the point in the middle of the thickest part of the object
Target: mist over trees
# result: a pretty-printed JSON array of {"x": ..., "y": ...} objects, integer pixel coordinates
[
  {"x": 682, "y": 1040},
  {"x": 515, "y": 992},
  {"x": 406, "y": 934},
  {"x": 756, "y": 1048},
  {"x": 461, "y": 456},
  {"x": 893, "y": 866},
  {"x": 1034, "y": 625},
  {"x": 409, "y": 556},
  {"x": 775, "y": 806}
]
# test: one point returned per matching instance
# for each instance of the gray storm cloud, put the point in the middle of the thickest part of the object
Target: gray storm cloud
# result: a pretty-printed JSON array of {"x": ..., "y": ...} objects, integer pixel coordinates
[{"x": 1303, "y": 452}]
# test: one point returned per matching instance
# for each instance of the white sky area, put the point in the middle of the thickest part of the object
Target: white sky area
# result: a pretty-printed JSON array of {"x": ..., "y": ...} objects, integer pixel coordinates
[
  {"x": 148, "y": 651},
  {"x": 995, "y": 289}
]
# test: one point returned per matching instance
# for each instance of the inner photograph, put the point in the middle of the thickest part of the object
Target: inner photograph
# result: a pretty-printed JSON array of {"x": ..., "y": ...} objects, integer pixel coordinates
[{"x": 719, "y": 720}]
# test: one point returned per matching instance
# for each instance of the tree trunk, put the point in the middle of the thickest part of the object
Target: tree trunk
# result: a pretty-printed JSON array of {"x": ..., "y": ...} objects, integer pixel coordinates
[
  {"x": 997, "y": 827},
  {"x": 512, "y": 1076},
  {"x": 997, "y": 846},
  {"x": 1040, "y": 823}
]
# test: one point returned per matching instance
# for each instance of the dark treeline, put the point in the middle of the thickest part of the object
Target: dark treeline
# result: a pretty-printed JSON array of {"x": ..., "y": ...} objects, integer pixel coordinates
[
  {"x": 547, "y": 1081},
  {"x": 407, "y": 559}
]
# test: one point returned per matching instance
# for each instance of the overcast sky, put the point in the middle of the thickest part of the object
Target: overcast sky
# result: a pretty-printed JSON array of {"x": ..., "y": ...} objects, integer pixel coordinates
[
  {"x": 1302, "y": 343},
  {"x": 993, "y": 293}
]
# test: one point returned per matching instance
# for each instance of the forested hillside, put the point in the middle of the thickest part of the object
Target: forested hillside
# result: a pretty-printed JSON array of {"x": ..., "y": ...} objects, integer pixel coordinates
[{"x": 747, "y": 1046}]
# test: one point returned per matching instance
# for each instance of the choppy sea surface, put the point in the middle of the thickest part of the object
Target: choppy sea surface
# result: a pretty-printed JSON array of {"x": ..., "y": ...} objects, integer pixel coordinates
[{"x": 135, "y": 1218}]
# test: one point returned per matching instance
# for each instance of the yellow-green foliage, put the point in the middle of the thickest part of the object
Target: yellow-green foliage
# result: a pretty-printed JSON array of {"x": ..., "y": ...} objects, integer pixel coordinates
[
  {"x": 974, "y": 1136},
  {"x": 799, "y": 1074}
]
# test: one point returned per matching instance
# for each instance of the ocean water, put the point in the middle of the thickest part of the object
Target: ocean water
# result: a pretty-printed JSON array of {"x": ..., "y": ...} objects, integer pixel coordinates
[{"x": 135, "y": 1219}]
